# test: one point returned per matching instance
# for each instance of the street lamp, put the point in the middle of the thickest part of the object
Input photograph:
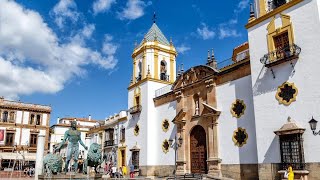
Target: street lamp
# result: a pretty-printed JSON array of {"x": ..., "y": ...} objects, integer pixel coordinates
[
  {"x": 175, "y": 146},
  {"x": 313, "y": 126}
]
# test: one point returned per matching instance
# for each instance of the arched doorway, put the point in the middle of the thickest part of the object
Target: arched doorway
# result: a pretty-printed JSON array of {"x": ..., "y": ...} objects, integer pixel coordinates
[{"x": 198, "y": 150}]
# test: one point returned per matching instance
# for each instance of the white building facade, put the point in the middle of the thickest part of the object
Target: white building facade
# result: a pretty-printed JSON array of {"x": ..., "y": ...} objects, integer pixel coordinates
[{"x": 20, "y": 125}]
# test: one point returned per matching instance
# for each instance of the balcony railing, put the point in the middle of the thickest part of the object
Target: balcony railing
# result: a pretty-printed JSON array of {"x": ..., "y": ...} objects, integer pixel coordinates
[
  {"x": 163, "y": 90},
  {"x": 273, "y": 4},
  {"x": 135, "y": 109},
  {"x": 109, "y": 143},
  {"x": 164, "y": 77},
  {"x": 280, "y": 55}
]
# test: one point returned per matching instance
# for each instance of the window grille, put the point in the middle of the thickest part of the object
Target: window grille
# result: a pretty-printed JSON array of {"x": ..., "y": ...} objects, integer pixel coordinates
[{"x": 291, "y": 148}]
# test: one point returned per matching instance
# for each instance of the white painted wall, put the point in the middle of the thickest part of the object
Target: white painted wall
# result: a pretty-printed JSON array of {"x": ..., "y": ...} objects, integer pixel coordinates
[
  {"x": 165, "y": 111},
  {"x": 19, "y": 117},
  {"x": 227, "y": 94},
  {"x": 26, "y": 137},
  {"x": 17, "y": 136},
  {"x": 44, "y": 119},
  {"x": 26, "y": 117},
  {"x": 270, "y": 115}
]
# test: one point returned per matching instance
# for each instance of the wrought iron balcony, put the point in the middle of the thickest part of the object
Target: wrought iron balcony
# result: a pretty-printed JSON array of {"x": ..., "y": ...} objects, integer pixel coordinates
[
  {"x": 109, "y": 143},
  {"x": 280, "y": 55},
  {"x": 135, "y": 109}
]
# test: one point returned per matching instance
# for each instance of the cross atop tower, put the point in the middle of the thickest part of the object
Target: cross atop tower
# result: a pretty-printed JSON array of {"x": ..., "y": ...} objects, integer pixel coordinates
[{"x": 154, "y": 17}]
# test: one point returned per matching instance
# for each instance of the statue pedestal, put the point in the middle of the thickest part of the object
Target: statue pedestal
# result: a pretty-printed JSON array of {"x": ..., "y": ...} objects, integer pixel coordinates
[{"x": 72, "y": 176}]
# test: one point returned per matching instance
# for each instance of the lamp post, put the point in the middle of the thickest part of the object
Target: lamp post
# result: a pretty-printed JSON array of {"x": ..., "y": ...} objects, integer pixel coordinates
[
  {"x": 313, "y": 126},
  {"x": 175, "y": 146}
]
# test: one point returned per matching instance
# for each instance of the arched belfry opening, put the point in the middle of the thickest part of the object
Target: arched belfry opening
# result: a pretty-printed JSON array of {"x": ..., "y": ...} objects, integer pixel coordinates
[
  {"x": 198, "y": 150},
  {"x": 163, "y": 71}
]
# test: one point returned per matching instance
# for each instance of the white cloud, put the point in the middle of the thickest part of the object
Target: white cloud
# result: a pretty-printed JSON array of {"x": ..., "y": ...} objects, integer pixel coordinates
[
  {"x": 205, "y": 32},
  {"x": 133, "y": 10},
  {"x": 225, "y": 32},
  {"x": 32, "y": 57},
  {"x": 64, "y": 11},
  {"x": 241, "y": 6},
  {"x": 108, "y": 47},
  {"x": 100, "y": 6},
  {"x": 182, "y": 48}
]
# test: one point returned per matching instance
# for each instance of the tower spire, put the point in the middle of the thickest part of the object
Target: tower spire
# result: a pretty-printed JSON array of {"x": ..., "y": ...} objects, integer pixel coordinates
[{"x": 154, "y": 17}]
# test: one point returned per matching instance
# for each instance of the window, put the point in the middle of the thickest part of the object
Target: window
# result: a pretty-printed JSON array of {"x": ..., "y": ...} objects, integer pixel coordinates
[
  {"x": 31, "y": 119},
  {"x": 11, "y": 116},
  {"x": 109, "y": 137},
  {"x": 135, "y": 159},
  {"x": 281, "y": 44},
  {"x": 196, "y": 105},
  {"x": 163, "y": 70},
  {"x": 38, "y": 121},
  {"x": 10, "y": 139},
  {"x": 291, "y": 149},
  {"x": 123, "y": 134},
  {"x": 33, "y": 140},
  {"x": 5, "y": 116}
]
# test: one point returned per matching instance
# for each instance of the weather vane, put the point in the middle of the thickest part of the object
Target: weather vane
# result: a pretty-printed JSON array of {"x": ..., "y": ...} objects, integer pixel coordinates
[{"x": 154, "y": 17}]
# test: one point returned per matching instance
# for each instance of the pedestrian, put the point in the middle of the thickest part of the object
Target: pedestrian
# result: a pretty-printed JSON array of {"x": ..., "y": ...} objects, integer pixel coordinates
[
  {"x": 114, "y": 171},
  {"x": 124, "y": 170},
  {"x": 131, "y": 171},
  {"x": 290, "y": 173}
]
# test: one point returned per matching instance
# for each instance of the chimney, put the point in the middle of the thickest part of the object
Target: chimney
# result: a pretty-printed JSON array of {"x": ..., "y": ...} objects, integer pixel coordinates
[
  {"x": 89, "y": 117},
  {"x": 58, "y": 120}
]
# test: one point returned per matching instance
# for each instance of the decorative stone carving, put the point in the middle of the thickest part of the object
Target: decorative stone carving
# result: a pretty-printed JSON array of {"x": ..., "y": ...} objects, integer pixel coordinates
[
  {"x": 238, "y": 108},
  {"x": 240, "y": 137},
  {"x": 165, "y": 125},
  {"x": 165, "y": 146},
  {"x": 136, "y": 130},
  {"x": 286, "y": 93}
]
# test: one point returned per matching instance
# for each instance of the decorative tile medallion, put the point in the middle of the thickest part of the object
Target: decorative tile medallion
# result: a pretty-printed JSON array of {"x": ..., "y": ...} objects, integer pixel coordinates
[
  {"x": 238, "y": 108},
  {"x": 136, "y": 130},
  {"x": 165, "y": 146},
  {"x": 165, "y": 125},
  {"x": 240, "y": 137},
  {"x": 286, "y": 93}
]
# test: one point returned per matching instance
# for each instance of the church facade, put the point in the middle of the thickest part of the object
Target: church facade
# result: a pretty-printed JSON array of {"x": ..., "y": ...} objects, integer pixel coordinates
[{"x": 245, "y": 118}]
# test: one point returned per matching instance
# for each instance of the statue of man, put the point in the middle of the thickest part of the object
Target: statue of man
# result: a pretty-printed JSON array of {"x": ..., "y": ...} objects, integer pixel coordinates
[{"x": 74, "y": 138}]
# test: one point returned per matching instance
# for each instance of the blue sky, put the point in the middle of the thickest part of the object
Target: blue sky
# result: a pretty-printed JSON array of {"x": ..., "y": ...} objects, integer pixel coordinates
[{"x": 76, "y": 55}]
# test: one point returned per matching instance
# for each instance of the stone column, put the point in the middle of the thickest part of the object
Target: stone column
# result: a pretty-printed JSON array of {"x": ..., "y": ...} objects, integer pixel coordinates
[
  {"x": 214, "y": 162},
  {"x": 181, "y": 161},
  {"x": 39, "y": 156}
]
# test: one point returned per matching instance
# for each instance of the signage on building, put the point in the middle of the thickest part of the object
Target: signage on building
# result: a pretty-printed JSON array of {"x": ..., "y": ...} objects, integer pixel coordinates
[{"x": 2, "y": 135}]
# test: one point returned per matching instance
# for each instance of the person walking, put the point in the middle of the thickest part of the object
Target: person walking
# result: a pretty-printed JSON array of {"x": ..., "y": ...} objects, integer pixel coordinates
[
  {"x": 131, "y": 171},
  {"x": 290, "y": 173}
]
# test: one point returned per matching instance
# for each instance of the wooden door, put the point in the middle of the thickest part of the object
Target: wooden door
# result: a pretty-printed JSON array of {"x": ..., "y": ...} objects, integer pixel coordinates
[{"x": 198, "y": 150}]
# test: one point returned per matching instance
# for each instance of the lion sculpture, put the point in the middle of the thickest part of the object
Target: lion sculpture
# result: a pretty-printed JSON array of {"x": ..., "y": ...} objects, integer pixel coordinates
[
  {"x": 52, "y": 164},
  {"x": 94, "y": 158}
]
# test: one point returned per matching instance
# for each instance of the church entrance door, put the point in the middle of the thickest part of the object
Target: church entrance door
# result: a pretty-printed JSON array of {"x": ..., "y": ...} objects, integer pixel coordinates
[{"x": 198, "y": 150}]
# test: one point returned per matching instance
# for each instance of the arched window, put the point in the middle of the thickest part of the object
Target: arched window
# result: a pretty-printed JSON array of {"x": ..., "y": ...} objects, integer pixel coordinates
[
  {"x": 11, "y": 116},
  {"x": 38, "y": 120},
  {"x": 5, "y": 116},
  {"x": 163, "y": 70},
  {"x": 196, "y": 104},
  {"x": 31, "y": 119},
  {"x": 139, "y": 71}
]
